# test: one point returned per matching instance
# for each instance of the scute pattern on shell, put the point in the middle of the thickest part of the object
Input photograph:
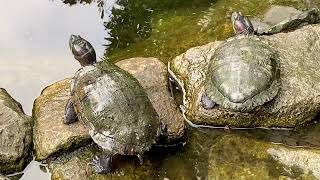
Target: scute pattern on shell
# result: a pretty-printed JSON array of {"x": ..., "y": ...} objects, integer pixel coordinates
[
  {"x": 116, "y": 109},
  {"x": 242, "y": 74}
]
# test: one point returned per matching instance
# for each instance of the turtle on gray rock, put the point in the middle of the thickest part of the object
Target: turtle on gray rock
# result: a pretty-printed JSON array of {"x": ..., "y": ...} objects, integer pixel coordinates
[
  {"x": 242, "y": 73},
  {"x": 112, "y": 105}
]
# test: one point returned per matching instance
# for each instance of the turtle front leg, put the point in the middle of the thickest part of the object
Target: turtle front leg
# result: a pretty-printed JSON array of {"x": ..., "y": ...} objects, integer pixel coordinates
[
  {"x": 206, "y": 102},
  {"x": 102, "y": 163},
  {"x": 70, "y": 115},
  {"x": 171, "y": 85}
]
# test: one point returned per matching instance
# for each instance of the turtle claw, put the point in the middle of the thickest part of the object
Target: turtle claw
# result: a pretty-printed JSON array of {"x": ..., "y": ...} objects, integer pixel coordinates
[
  {"x": 140, "y": 159},
  {"x": 70, "y": 115},
  {"x": 102, "y": 163},
  {"x": 206, "y": 102},
  {"x": 171, "y": 86}
]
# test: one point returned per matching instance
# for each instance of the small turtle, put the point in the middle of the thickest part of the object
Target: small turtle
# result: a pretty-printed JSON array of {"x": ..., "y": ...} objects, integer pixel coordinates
[
  {"x": 112, "y": 105},
  {"x": 242, "y": 73}
]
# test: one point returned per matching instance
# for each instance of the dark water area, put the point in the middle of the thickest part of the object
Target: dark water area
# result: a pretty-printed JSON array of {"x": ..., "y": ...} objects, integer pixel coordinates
[{"x": 34, "y": 53}]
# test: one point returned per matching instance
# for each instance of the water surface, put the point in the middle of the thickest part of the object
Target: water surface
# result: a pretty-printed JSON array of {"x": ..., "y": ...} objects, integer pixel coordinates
[{"x": 34, "y": 48}]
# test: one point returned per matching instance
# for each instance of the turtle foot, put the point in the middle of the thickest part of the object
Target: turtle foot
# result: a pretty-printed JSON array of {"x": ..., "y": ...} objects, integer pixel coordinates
[
  {"x": 70, "y": 115},
  {"x": 207, "y": 103},
  {"x": 102, "y": 163},
  {"x": 140, "y": 159}
]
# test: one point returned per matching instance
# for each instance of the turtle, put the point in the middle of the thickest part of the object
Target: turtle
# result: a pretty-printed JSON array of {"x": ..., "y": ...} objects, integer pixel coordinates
[
  {"x": 112, "y": 105},
  {"x": 243, "y": 72}
]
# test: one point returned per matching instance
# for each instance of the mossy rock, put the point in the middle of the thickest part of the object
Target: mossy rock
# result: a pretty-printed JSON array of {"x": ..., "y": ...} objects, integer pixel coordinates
[{"x": 15, "y": 135}]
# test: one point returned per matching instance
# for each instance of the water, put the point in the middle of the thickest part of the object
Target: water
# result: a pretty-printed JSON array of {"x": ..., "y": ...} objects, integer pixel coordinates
[
  {"x": 34, "y": 53},
  {"x": 34, "y": 48}
]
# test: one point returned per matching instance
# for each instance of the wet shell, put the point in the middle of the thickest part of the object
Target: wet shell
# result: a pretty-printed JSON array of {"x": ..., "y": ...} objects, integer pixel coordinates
[
  {"x": 115, "y": 108},
  {"x": 242, "y": 74}
]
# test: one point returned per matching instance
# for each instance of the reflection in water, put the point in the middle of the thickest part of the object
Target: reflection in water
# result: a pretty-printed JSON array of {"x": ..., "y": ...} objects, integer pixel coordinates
[{"x": 34, "y": 50}]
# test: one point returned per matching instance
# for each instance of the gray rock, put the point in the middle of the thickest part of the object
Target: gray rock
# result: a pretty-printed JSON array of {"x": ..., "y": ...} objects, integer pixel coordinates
[
  {"x": 15, "y": 135},
  {"x": 152, "y": 75},
  {"x": 297, "y": 102},
  {"x": 276, "y": 14},
  {"x": 51, "y": 135}
]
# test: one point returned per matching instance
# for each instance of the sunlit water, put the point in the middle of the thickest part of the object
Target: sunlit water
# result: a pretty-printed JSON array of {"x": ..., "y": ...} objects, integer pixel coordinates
[{"x": 34, "y": 53}]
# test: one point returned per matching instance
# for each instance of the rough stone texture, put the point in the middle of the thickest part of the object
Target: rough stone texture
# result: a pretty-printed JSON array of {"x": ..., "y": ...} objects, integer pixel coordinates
[
  {"x": 273, "y": 16},
  {"x": 297, "y": 102},
  {"x": 234, "y": 157},
  {"x": 76, "y": 166},
  {"x": 51, "y": 135},
  {"x": 152, "y": 75},
  {"x": 15, "y": 135},
  {"x": 278, "y": 13}
]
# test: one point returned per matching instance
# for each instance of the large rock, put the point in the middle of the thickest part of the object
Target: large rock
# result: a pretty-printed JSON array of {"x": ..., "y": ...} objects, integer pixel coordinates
[
  {"x": 153, "y": 75},
  {"x": 297, "y": 102},
  {"x": 15, "y": 135},
  {"x": 237, "y": 157},
  {"x": 76, "y": 165},
  {"x": 51, "y": 135}
]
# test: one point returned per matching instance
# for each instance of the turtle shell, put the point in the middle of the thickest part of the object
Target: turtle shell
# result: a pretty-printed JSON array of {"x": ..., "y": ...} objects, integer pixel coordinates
[
  {"x": 242, "y": 74},
  {"x": 115, "y": 108}
]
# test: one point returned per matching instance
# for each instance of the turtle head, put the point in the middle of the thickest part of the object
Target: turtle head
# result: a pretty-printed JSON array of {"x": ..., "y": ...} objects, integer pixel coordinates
[
  {"x": 82, "y": 50},
  {"x": 241, "y": 24}
]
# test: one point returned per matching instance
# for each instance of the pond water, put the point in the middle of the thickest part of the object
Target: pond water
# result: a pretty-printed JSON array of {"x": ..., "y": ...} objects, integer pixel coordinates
[{"x": 34, "y": 53}]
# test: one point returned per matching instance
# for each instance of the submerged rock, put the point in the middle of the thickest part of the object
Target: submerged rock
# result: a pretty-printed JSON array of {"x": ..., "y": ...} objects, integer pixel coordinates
[
  {"x": 15, "y": 135},
  {"x": 51, "y": 135},
  {"x": 152, "y": 75},
  {"x": 234, "y": 156},
  {"x": 76, "y": 165},
  {"x": 297, "y": 102}
]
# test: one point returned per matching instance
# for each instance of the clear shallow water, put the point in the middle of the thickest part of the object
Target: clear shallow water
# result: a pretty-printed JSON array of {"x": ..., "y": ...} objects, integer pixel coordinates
[
  {"x": 34, "y": 53},
  {"x": 34, "y": 48}
]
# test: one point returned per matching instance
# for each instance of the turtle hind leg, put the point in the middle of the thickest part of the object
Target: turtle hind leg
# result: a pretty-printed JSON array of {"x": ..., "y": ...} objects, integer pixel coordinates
[
  {"x": 70, "y": 115},
  {"x": 102, "y": 163}
]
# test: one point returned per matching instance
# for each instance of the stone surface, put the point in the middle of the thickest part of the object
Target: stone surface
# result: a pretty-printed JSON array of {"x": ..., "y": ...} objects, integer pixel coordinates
[
  {"x": 51, "y": 135},
  {"x": 276, "y": 14},
  {"x": 152, "y": 75},
  {"x": 233, "y": 157},
  {"x": 76, "y": 166},
  {"x": 15, "y": 135},
  {"x": 297, "y": 102}
]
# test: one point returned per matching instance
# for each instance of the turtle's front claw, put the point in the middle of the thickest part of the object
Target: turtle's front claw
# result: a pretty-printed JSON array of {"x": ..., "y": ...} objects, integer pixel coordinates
[
  {"x": 206, "y": 102},
  {"x": 70, "y": 114},
  {"x": 102, "y": 164}
]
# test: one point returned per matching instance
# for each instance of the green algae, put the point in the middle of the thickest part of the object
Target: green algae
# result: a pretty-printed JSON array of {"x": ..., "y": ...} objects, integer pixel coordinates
[{"x": 167, "y": 29}]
